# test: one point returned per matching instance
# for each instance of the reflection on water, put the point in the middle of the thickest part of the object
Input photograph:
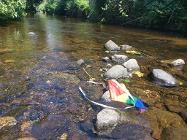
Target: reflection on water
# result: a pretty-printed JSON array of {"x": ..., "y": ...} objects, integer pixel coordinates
[{"x": 32, "y": 51}]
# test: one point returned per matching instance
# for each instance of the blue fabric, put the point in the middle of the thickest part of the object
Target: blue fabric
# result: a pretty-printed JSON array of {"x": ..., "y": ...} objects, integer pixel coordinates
[{"x": 140, "y": 104}]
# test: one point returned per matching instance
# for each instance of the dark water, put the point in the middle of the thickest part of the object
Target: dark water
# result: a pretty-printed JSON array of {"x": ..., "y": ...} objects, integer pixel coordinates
[{"x": 37, "y": 54}]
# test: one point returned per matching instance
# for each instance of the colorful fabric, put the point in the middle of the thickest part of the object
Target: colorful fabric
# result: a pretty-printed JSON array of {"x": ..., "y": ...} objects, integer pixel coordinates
[{"x": 119, "y": 92}]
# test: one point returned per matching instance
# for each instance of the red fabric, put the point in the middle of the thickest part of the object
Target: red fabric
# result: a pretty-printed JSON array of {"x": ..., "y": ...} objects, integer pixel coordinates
[{"x": 114, "y": 88}]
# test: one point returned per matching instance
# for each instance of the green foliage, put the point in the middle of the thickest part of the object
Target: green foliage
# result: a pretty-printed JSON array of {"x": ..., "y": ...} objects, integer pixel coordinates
[
  {"x": 76, "y": 8},
  {"x": 146, "y": 13},
  {"x": 12, "y": 9},
  {"x": 114, "y": 11}
]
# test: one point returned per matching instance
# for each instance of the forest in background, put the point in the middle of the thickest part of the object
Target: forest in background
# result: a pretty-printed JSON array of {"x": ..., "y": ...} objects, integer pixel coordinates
[{"x": 156, "y": 14}]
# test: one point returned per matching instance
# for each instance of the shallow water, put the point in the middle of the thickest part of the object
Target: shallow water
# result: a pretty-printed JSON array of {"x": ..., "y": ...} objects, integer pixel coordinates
[{"x": 36, "y": 54}]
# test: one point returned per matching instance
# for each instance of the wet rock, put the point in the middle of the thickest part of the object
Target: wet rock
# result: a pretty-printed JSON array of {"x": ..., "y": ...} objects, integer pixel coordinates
[
  {"x": 106, "y": 96},
  {"x": 120, "y": 59},
  {"x": 63, "y": 137},
  {"x": 131, "y": 132},
  {"x": 173, "y": 105},
  {"x": 160, "y": 119},
  {"x": 27, "y": 138},
  {"x": 178, "y": 62},
  {"x": 163, "y": 78},
  {"x": 107, "y": 119},
  {"x": 116, "y": 72},
  {"x": 132, "y": 65},
  {"x": 174, "y": 134},
  {"x": 109, "y": 65},
  {"x": 80, "y": 62},
  {"x": 126, "y": 47},
  {"x": 183, "y": 114},
  {"x": 31, "y": 33},
  {"x": 106, "y": 59},
  {"x": 8, "y": 128},
  {"x": 111, "y": 46}
]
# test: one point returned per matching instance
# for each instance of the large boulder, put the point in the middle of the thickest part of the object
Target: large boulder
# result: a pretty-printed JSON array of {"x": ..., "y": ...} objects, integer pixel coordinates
[
  {"x": 132, "y": 65},
  {"x": 117, "y": 72},
  {"x": 178, "y": 62},
  {"x": 120, "y": 59},
  {"x": 111, "y": 46},
  {"x": 163, "y": 78}
]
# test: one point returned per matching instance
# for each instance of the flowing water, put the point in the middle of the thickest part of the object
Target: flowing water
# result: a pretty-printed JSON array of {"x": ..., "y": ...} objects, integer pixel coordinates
[{"x": 38, "y": 73}]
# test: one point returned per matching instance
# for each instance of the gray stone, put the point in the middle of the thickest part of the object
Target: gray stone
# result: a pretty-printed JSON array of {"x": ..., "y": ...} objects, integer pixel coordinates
[
  {"x": 31, "y": 33},
  {"x": 132, "y": 65},
  {"x": 106, "y": 59},
  {"x": 116, "y": 72},
  {"x": 106, "y": 96},
  {"x": 126, "y": 47},
  {"x": 120, "y": 59},
  {"x": 163, "y": 78},
  {"x": 111, "y": 46},
  {"x": 178, "y": 62},
  {"x": 80, "y": 62},
  {"x": 107, "y": 119}
]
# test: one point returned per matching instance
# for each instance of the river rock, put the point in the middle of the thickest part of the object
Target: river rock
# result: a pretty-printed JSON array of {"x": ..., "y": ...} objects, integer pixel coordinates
[
  {"x": 80, "y": 62},
  {"x": 163, "y": 78},
  {"x": 132, "y": 65},
  {"x": 160, "y": 119},
  {"x": 106, "y": 96},
  {"x": 183, "y": 114},
  {"x": 116, "y": 72},
  {"x": 126, "y": 47},
  {"x": 106, "y": 59},
  {"x": 178, "y": 62},
  {"x": 8, "y": 128},
  {"x": 107, "y": 119},
  {"x": 111, "y": 46},
  {"x": 120, "y": 59},
  {"x": 174, "y": 133}
]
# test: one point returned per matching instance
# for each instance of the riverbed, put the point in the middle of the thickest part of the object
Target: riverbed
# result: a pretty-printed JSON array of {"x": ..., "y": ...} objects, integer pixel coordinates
[{"x": 39, "y": 76}]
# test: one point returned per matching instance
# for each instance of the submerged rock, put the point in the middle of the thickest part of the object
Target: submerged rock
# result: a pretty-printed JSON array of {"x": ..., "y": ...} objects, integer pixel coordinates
[
  {"x": 132, "y": 65},
  {"x": 160, "y": 119},
  {"x": 8, "y": 128},
  {"x": 111, "y": 46},
  {"x": 178, "y": 62},
  {"x": 174, "y": 133},
  {"x": 126, "y": 47},
  {"x": 116, "y": 72},
  {"x": 163, "y": 78},
  {"x": 120, "y": 59},
  {"x": 183, "y": 114}
]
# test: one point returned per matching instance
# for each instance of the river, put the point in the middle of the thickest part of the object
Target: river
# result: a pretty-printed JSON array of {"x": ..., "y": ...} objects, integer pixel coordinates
[{"x": 39, "y": 77}]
